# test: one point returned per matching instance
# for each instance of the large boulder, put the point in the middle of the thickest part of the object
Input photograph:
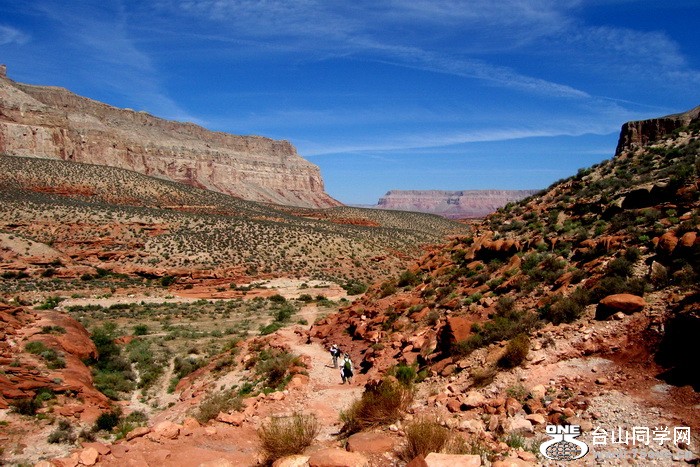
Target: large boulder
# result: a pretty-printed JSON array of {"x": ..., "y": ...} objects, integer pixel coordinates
[
  {"x": 624, "y": 302},
  {"x": 370, "y": 442},
  {"x": 455, "y": 329},
  {"x": 335, "y": 457}
]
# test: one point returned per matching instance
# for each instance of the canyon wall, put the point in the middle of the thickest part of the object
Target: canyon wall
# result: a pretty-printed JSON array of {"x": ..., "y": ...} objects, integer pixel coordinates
[
  {"x": 51, "y": 122},
  {"x": 451, "y": 204},
  {"x": 637, "y": 134}
]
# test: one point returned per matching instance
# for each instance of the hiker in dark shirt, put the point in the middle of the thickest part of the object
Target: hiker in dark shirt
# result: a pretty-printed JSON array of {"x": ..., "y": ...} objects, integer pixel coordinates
[{"x": 346, "y": 369}]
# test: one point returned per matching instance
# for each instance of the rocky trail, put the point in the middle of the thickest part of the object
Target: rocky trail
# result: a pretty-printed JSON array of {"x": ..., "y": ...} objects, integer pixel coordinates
[{"x": 325, "y": 396}]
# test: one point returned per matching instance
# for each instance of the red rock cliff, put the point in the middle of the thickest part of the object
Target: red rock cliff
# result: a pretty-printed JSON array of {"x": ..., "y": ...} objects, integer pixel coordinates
[
  {"x": 640, "y": 133},
  {"x": 50, "y": 122}
]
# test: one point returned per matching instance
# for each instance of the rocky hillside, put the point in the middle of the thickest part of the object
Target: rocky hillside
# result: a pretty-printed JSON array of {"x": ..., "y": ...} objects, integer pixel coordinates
[
  {"x": 618, "y": 241},
  {"x": 74, "y": 220},
  {"x": 465, "y": 204},
  {"x": 50, "y": 122}
]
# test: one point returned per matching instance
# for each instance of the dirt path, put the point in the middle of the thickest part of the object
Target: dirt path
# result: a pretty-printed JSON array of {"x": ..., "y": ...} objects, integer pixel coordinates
[{"x": 324, "y": 396}]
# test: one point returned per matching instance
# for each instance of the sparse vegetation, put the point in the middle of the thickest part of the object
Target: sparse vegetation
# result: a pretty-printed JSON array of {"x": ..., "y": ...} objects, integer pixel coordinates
[
  {"x": 378, "y": 405},
  {"x": 222, "y": 401},
  {"x": 284, "y": 436}
]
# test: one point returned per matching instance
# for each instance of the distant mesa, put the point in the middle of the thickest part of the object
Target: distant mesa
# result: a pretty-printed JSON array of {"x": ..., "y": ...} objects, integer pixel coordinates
[
  {"x": 54, "y": 123},
  {"x": 464, "y": 204}
]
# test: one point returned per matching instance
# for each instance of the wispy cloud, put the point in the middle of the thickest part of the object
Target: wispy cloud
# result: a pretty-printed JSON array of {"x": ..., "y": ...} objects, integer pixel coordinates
[
  {"x": 10, "y": 35},
  {"x": 415, "y": 141},
  {"x": 450, "y": 36},
  {"x": 103, "y": 38}
]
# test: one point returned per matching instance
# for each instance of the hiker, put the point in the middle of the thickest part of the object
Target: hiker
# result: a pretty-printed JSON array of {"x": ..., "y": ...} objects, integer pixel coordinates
[
  {"x": 335, "y": 353},
  {"x": 346, "y": 370}
]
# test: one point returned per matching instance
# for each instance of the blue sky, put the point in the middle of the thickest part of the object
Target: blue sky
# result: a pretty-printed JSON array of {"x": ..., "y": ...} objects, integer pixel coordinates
[{"x": 396, "y": 94}]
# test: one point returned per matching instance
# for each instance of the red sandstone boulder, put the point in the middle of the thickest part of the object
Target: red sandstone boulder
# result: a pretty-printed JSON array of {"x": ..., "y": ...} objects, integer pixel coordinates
[
  {"x": 667, "y": 243},
  {"x": 626, "y": 303},
  {"x": 456, "y": 329},
  {"x": 370, "y": 442},
  {"x": 335, "y": 457}
]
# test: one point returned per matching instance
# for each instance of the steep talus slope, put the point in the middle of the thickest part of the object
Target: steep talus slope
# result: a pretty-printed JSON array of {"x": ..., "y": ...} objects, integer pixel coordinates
[
  {"x": 452, "y": 204},
  {"x": 50, "y": 122}
]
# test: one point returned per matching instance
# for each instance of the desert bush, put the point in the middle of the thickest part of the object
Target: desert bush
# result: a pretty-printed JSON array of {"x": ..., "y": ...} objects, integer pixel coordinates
[
  {"x": 379, "y": 405},
  {"x": 565, "y": 309},
  {"x": 516, "y": 351},
  {"x": 25, "y": 406},
  {"x": 50, "y": 303},
  {"x": 405, "y": 374},
  {"x": 483, "y": 376},
  {"x": 107, "y": 420},
  {"x": 424, "y": 436},
  {"x": 224, "y": 401},
  {"x": 140, "y": 330},
  {"x": 284, "y": 436},
  {"x": 408, "y": 278},
  {"x": 62, "y": 434},
  {"x": 354, "y": 287},
  {"x": 277, "y": 298},
  {"x": 273, "y": 365},
  {"x": 386, "y": 289}
]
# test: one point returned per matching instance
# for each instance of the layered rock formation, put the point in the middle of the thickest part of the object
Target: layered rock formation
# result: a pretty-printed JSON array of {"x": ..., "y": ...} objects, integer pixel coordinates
[
  {"x": 452, "y": 204},
  {"x": 638, "y": 134},
  {"x": 50, "y": 122}
]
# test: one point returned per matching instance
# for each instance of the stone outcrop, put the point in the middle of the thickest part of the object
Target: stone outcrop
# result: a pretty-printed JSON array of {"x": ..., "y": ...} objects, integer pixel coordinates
[
  {"x": 451, "y": 204},
  {"x": 640, "y": 133},
  {"x": 51, "y": 122}
]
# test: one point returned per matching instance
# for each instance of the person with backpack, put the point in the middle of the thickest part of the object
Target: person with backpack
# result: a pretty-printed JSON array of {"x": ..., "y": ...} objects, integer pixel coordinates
[
  {"x": 335, "y": 353},
  {"x": 346, "y": 370}
]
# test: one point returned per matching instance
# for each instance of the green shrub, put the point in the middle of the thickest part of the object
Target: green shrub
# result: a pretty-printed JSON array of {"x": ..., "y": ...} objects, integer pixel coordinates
[
  {"x": 25, "y": 406},
  {"x": 277, "y": 298},
  {"x": 270, "y": 328},
  {"x": 107, "y": 420},
  {"x": 62, "y": 434},
  {"x": 140, "y": 330},
  {"x": 516, "y": 351},
  {"x": 273, "y": 365},
  {"x": 50, "y": 303},
  {"x": 355, "y": 287},
  {"x": 405, "y": 374},
  {"x": 35, "y": 347},
  {"x": 408, "y": 278},
  {"x": 566, "y": 309},
  {"x": 167, "y": 281},
  {"x": 224, "y": 401},
  {"x": 285, "y": 436},
  {"x": 386, "y": 289}
]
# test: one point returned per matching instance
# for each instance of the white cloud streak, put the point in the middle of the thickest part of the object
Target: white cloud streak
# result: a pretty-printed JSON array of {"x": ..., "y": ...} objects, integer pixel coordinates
[{"x": 10, "y": 35}]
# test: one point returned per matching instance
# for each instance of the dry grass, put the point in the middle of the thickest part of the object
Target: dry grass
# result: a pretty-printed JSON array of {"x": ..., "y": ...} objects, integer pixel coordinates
[
  {"x": 378, "y": 405},
  {"x": 284, "y": 436},
  {"x": 427, "y": 435}
]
